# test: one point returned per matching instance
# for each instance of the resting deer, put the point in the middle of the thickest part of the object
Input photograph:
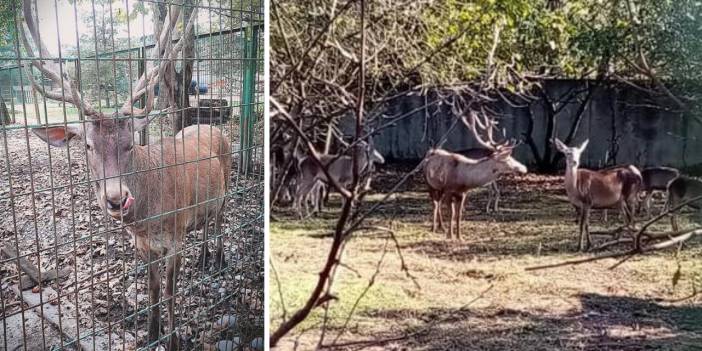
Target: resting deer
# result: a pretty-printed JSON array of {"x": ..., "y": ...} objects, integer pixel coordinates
[
  {"x": 683, "y": 189},
  {"x": 158, "y": 191},
  {"x": 493, "y": 189},
  {"x": 656, "y": 179},
  {"x": 340, "y": 167},
  {"x": 587, "y": 189},
  {"x": 450, "y": 176}
]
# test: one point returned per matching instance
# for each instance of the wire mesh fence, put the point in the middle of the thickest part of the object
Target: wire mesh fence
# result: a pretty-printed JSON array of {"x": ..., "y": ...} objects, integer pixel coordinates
[{"x": 131, "y": 185}]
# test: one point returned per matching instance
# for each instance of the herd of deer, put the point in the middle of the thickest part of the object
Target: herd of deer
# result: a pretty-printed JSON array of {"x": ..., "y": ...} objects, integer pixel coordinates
[
  {"x": 159, "y": 191},
  {"x": 450, "y": 175}
]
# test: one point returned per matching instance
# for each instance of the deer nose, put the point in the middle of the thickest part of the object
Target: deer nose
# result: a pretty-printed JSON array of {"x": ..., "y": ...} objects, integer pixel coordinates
[{"x": 115, "y": 201}]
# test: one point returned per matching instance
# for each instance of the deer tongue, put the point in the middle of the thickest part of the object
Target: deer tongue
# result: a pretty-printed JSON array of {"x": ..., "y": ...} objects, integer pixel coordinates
[{"x": 129, "y": 202}]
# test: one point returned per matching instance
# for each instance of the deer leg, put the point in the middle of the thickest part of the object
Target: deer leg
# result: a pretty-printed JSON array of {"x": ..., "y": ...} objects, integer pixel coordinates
[
  {"x": 303, "y": 190},
  {"x": 647, "y": 203},
  {"x": 490, "y": 195},
  {"x": 586, "y": 227},
  {"x": 323, "y": 196},
  {"x": 204, "y": 257},
  {"x": 154, "y": 271},
  {"x": 220, "y": 261},
  {"x": 581, "y": 228},
  {"x": 674, "y": 222},
  {"x": 436, "y": 204},
  {"x": 496, "y": 190},
  {"x": 460, "y": 214},
  {"x": 171, "y": 284},
  {"x": 440, "y": 210},
  {"x": 453, "y": 216}
]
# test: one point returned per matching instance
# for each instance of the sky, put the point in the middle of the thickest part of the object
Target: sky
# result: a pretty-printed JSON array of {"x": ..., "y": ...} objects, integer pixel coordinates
[{"x": 49, "y": 10}]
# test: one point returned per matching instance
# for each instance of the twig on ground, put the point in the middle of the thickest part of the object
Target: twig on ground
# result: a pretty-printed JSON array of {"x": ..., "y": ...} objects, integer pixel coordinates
[{"x": 280, "y": 289}]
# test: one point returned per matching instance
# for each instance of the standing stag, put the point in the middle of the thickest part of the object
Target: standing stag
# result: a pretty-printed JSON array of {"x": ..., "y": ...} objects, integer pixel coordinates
[
  {"x": 587, "y": 189},
  {"x": 450, "y": 176},
  {"x": 310, "y": 176},
  {"x": 159, "y": 191}
]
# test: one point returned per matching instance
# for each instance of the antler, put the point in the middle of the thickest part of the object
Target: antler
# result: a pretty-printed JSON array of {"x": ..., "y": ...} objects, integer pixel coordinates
[
  {"x": 482, "y": 128},
  {"x": 69, "y": 93}
]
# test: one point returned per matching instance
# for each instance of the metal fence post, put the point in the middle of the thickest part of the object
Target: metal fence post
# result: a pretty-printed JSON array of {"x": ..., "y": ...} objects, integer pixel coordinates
[
  {"x": 143, "y": 134},
  {"x": 248, "y": 92}
]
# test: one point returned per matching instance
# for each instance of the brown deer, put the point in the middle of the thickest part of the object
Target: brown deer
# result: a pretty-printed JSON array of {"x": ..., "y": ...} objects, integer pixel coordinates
[
  {"x": 587, "y": 189},
  {"x": 159, "y": 191},
  {"x": 450, "y": 176},
  {"x": 656, "y": 179},
  {"x": 340, "y": 167},
  {"x": 683, "y": 189}
]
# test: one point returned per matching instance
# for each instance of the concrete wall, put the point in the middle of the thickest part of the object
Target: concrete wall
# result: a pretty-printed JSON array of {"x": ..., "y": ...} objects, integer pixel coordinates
[{"x": 618, "y": 122}]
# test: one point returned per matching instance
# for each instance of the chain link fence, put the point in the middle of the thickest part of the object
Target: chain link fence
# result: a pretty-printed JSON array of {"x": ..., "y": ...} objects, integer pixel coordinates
[{"x": 76, "y": 269}]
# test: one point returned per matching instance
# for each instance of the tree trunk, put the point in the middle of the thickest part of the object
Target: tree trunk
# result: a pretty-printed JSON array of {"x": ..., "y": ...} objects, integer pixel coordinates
[
  {"x": 181, "y": 119},
  {"x": 159, "y": 9},
  {"x": 5, "y": 117}
]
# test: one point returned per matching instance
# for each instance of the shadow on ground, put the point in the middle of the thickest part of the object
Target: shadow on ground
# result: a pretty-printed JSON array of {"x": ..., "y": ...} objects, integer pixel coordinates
[{"x": 601, "y": 323}]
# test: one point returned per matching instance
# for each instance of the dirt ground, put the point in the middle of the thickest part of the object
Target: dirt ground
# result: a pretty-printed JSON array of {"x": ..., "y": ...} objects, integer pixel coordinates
[
  {"x": 50, "y": 213},
  {"x": 475, "y": 294}
]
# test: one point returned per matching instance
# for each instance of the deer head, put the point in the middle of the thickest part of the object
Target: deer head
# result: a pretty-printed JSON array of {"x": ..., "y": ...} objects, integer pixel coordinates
[
  {"x": 108, "y": 139},
  {"x": 572, "y": 154},
  {"x": 505, "y": 163},
  {"x": 373, "y": 155}
]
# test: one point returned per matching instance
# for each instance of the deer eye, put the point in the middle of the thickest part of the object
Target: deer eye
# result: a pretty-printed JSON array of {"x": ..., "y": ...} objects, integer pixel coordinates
[{"x": 88, "y": 147}]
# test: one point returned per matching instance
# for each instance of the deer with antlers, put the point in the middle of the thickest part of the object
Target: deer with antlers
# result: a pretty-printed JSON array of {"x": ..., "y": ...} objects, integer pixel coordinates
[
  {"x": 450, "y": 175},
  {"x": 159, "y": 191},
  {"x": 609, "y": 188}
]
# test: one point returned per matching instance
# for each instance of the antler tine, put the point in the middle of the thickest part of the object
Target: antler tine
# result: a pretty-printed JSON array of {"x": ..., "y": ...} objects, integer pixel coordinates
[
  {"x": 69, "y": 94},
  {"x": 471, "y": 125},
  {"x": 489, "y": 124}
]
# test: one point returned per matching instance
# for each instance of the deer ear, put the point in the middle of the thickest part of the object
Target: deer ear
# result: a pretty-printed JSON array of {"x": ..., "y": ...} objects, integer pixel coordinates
[
  {"x": 559, "y": 145},
  {"x": 140, "y": 123},
  {"x": 583, "y": 145},
  {"x": 503, "y": 153},
  {"x": 57, "y": 136}
]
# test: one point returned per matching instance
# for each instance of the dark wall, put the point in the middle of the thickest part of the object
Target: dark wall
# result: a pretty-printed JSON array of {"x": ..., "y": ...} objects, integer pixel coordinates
[{"x": 621, "y": 126}]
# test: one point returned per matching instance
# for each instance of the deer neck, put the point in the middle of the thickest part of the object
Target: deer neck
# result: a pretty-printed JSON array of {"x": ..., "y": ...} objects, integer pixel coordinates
[
  {"x": 144, "y": 179},
  {"x": 481, "y": 173},
  {"x": 571, "y": 179}
]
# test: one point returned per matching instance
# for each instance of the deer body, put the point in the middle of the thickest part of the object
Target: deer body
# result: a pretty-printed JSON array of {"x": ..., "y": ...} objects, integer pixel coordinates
[
  {"x": 682, "y": 189},
  {"x": 340, "y": 167},
  {"x": 180, "y": 177},
  {"x": 587, "y": 189},
  {"x": 451, "y": 175},
  {"x": 656, "y": 179},
  {"x": 159, "y": 191}
]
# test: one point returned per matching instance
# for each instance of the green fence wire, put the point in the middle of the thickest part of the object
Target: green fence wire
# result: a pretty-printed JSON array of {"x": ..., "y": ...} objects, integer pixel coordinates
[{"x": 70, "y": 275}]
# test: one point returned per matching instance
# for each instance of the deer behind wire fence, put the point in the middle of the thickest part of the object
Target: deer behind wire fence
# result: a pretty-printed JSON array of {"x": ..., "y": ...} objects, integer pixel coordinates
[{"x": 122, "y": 151}]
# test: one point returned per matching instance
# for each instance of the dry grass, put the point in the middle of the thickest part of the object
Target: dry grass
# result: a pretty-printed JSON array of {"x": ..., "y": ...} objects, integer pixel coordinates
[{"x": 586, "y": 307}]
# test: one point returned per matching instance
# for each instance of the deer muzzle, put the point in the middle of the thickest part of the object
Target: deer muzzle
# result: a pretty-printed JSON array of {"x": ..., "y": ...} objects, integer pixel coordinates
[{"x": 118, "y": 201}]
